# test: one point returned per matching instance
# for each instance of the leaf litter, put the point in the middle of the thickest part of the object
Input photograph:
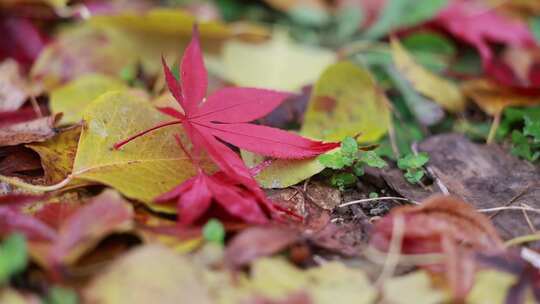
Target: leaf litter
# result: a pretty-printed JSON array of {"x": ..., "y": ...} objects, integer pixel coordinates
[{"x": 269, "y": 152}]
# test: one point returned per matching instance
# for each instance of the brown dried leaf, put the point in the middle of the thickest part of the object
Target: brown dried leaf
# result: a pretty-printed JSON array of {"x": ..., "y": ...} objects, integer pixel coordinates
[
  {"x": 256, "y": 242},
  {"x": 441, "y": 224},
  {"x": 493, "y": 98},
  {"x": 39, "y": 129}
]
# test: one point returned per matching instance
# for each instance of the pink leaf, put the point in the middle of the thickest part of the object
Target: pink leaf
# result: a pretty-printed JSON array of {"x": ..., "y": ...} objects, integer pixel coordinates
[
  {"x": 237, "y": 202},
  {"x": 12, "y": 220},
  {"x": 268, "y": 141},
  {"x": 107, "y": 213},
  {"x": 233, "y": 105},
  {"x": 194, "y": 76},
  {"x": 172, "y": 83},
  {"x": 194, "y": 202},
  {"x": 479, "y": 25}
]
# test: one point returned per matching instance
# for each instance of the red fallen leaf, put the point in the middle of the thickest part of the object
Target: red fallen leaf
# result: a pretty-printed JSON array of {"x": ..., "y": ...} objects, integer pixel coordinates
[
  {"x": 478, "y": 25},
  {"x": 524, "y": 80},
  {"x": 225, "y": 115},
  {"x": 107, "y": 213},
  {"x": 39, "y": 129},
  {"x": 21, "y": 115},
  {"x": 13, "y": 220},
  {"x": 20, "y": 40},
  {"x": 80, "y": 230},
  {"x": 196, "y": 195},
  {"x": 255, "y": 242},
  {"x": 442, "y": 224},
  {"x": 17, "y": 200}
]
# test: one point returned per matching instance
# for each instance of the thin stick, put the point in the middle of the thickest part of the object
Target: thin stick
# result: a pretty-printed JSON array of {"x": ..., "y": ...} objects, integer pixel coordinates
[
  {"x": 512, "y": 200},
  {"x": 522, "y": 239},
  {"x": 494, "y": 126},
  {"x": 529, "y": 222},
  {"x": 367, "y": 200},
  {"x": 120, "y": 144},
  {"x": 508, "y": 208},
  {"x": 35, "y": 106}
]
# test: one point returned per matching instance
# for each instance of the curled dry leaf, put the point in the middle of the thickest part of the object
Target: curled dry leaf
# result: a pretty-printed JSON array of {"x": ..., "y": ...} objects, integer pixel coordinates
[
  {"x": 256, "y": 242},
  {"x": 39, "y": 129},
  {"x": 443, "y": 91},
  {"x": 18, "y": 159},
  {"x": 442, "y": 224},
  {"x": 58, "y": 154},
  {"x": 79, "y": 231}
]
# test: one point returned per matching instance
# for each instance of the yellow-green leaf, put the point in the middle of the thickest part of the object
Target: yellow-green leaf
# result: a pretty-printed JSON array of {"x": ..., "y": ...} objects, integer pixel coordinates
[
  {"x": 332, "y": 282},
  {"x": 124, "y": 41},
  {"x": 161, "y": 21},
  {"x": 279, "y": 64},
  {"x": 345, "y": 102},
  {"x": 492, "y": 286},
  {"x": 144, "y": 168},
  {"x": 149, "y": 274},
  {"x": 440, "y": 90},
  {"x": 282, "y": 173},
  {"x": 415, "y": 288},
  {"x": 72, "y": 98}
]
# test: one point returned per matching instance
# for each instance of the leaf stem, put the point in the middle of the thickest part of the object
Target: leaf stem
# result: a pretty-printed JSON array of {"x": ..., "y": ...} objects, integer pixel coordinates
[
  {"x": 119, "y": 145},
  {"x": 494, "y": 126},
  {"x": 35, "y": 188}
]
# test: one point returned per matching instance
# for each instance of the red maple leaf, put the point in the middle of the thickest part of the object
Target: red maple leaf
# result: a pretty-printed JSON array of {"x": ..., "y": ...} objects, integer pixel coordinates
[
  {"x": 479, "y": 25},
  {"x": 225, "y": 116}
]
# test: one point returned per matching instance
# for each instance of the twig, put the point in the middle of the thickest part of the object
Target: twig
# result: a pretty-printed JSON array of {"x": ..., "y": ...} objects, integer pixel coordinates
[
  {"x": 512, "y": 200},
  {"x": 496, "y": 209},
  {"x": 522, "y": 239},
  {"x": 367, "y": 200},
  {"x": 531, "y": 226},
  {"x": 494, "y": 126}
]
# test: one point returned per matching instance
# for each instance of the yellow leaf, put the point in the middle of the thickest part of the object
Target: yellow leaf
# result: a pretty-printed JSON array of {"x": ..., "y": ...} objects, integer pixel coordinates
[
  {"x": 332, "y": 282},
  {"x": 161, "y": 21},
  {"x": 109, "y": 54},
  {"x": 57, "y": 154},
  {"x": 72, "y": 98},
  {"x": 278, "y": 64},
  {"x": 346, "y": 101},
  {"x": 282, "y": 173},
  {"x": 493, "y": 98},
  {"x": 413, "y": 288},
  {"x": 442, "y": 91},
  {"x": 143, "y": 169},
  {"x": 124, "y": 41},
  {"x": 492, "y": 286},
  {"x": 149, "y": 274}
]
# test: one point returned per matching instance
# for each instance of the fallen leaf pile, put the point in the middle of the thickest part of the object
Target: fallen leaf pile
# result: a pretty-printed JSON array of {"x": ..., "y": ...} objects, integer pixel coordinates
[{"x": 269, "y": 152}]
